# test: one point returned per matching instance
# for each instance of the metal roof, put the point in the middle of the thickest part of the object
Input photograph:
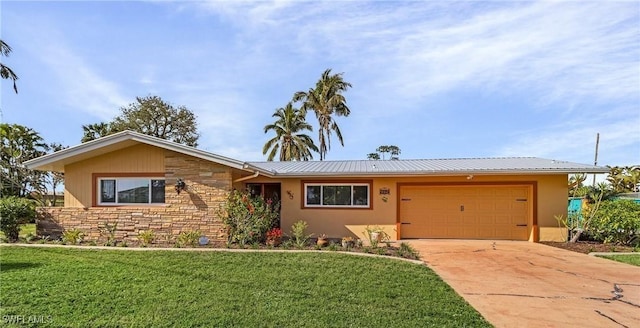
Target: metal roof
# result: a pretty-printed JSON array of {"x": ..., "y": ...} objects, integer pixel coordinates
[
  {"x": 499, "y": 165},
  {"x": 454, "y": 166}
]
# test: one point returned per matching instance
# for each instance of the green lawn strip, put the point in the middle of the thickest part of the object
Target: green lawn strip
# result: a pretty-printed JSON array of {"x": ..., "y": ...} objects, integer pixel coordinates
[
  {"x": 105, "y": 288},
  {"x": 633, "y": 259}
]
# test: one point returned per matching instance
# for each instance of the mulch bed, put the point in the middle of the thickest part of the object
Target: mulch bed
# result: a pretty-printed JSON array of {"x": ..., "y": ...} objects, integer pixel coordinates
[{"x": 587, "y": 247}]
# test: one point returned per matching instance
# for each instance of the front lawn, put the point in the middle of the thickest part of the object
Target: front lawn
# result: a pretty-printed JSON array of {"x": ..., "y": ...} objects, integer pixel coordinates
[
  {"x": 102, "y": 288},
  {"x": 633, "y": 259}
]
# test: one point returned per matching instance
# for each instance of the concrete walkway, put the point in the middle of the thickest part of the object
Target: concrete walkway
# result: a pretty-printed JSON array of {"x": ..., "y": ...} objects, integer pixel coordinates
[{"x": 522, "y": 284}]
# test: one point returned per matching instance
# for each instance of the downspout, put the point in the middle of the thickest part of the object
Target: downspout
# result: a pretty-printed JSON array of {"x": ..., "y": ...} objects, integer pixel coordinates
[{"x": 254, "y": 175}]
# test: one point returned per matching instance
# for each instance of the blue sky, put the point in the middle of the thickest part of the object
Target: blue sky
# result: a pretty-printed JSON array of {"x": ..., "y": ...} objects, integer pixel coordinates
[{"x": 437, "y": 79}]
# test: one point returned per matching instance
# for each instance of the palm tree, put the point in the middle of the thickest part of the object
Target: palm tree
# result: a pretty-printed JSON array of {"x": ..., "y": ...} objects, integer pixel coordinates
[
  {"x": 382, "y": 150},
  {"x": 291, "y": 144},
  {"x": 5, "y": 71},
  {"x": 575, "y": 183},
  {"x": 373, "y": 156},
  {"x": 325, "y": 100},
  {"x": 95, "y": 131},
  {"x": 394, "y": 151}
]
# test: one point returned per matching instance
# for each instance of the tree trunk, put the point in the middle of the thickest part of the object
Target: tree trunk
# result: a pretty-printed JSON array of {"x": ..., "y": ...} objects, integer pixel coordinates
[{"x": 576, "y": 236}]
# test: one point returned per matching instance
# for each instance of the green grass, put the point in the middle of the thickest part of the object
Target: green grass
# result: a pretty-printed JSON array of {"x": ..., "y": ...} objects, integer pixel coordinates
[
  {"x": 111, "y": 288},
  {"x": 633, "y": 259}
]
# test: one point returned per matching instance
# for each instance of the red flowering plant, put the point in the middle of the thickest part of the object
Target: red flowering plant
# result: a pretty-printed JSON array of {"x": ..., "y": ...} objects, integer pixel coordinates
[
  {"x": 247, "y": 219},
  {"x": 274, "y": 236},
  {"x": 274, "y": 233}
]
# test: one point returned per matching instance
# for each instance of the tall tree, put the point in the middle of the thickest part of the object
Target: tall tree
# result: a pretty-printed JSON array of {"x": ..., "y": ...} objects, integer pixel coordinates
[
  {"x": 152, "y": 116},
  {"x": 325, "y": 100},
  {"x": 373, "y": 156},
  {"x": 382, "y": 150},
  {"x": 624, "y": 178},
  {"x": 394, "y": 151},
  {"x": 5, "y": 71},
  {"x": 289, "y": 141},
  {"x": 576, "y": 185},
  {"x": 17, "y": 145},
  {"x": 54, "y": 179},
  {"x": 95, "y": 131}
]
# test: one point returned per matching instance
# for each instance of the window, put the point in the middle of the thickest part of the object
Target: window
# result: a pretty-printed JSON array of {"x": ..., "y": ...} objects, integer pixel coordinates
[
  {"x": 337, "y": 195},
  {"x": 125, "y": 191}
]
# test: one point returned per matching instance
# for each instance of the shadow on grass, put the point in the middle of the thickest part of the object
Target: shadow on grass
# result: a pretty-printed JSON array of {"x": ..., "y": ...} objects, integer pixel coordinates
[{"x": 18, "y": 266}]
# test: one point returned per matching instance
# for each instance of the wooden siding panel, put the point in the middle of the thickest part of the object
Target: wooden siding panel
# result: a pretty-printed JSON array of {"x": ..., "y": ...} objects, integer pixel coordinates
[{"x": 134, "y": 159}]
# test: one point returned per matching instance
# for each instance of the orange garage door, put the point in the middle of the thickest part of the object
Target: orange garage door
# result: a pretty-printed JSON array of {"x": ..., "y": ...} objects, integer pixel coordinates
[{"x": 473, "y": 212}]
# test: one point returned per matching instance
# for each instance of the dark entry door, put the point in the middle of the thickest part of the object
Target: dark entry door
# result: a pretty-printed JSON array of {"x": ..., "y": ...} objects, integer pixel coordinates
[{"x": 266, "y": 190}]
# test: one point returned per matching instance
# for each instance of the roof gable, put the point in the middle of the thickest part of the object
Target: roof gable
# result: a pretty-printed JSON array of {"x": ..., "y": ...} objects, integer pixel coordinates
[{"x": 56, "y": 161}]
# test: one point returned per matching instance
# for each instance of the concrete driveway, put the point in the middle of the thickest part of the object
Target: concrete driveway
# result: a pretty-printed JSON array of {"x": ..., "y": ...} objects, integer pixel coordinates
[{"x": 522, "y": 284}]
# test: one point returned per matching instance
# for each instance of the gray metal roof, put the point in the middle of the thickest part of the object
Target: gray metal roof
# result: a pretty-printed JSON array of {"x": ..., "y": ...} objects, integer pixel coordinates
[
  {"x": 457, "y": 166},
  {"x": 454, "y": 166}
]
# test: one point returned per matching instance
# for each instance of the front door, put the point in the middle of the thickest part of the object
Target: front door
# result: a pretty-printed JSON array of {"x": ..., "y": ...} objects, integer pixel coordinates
[{"x": 266, "y": 190}]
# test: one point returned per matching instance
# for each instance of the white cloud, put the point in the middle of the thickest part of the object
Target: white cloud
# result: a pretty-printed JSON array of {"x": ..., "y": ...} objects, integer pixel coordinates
[
  {"x": 79, "y": 84},
  {"x": 562, "y": 52},
  {"x": 244, "y": 59},
  {"x": 575, "y": 140}
]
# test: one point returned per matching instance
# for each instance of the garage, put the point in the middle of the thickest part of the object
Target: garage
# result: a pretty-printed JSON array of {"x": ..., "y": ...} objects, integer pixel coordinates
[{"x": 467, "y": 211}]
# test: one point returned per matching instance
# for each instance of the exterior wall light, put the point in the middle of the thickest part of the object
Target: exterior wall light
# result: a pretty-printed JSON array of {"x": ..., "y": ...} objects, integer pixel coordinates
[{"x": 180, "y": 186}]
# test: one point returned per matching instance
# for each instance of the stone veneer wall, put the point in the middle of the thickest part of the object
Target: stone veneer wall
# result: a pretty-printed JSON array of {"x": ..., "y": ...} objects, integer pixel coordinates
[{"x": 193, "y": 209}]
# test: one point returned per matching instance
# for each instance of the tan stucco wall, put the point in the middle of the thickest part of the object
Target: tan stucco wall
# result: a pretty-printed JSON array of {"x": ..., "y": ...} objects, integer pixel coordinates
[
  {"x": 209, "y": 182},
  {"x": 551, "y": 200}
]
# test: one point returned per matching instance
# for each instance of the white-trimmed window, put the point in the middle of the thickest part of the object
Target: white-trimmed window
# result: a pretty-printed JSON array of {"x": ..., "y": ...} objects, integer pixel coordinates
[
  {"x": 342, "y": 195},
  {"x": 130, "y": 191}
]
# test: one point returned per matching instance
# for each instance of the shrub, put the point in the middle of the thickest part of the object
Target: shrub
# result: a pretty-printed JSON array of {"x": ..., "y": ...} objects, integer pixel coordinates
[
  {"x": 616, "y": 221},
  {"x": 275, "y": 233},
  {"x": 72, "y": 237},
  {"x": 31, "y": 237},
  {"x": 188, "y": 238},
  {"x": 109, "y": 231},
  {"x": 375, "y": 235},
  {"x": 13, "y": 212},
  {"x": 247, "y": 219},
  {"x": 405, "y": 250},
  {"x": 287, "y": 244},
  {"x": 300, "y": 238},
  {"x": 274, "y": 237},
  {"x": 146, "y": 237}
]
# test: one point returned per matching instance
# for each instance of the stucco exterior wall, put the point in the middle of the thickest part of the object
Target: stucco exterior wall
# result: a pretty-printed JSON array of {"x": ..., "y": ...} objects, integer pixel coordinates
[
  {"x": 208, "y": 184},
  {"x": 193, "y": 209},
  {"x": 550, "y": 200}
]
